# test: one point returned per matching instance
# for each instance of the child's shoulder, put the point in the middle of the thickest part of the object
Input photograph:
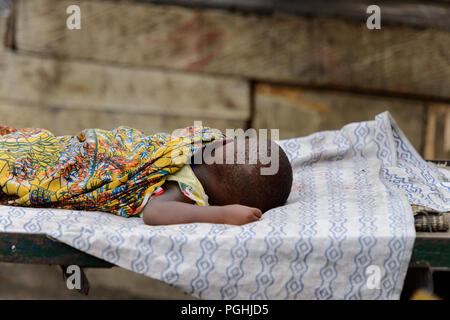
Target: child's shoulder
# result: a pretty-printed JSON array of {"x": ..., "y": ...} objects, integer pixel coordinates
[{"x": 189, "y": 184}]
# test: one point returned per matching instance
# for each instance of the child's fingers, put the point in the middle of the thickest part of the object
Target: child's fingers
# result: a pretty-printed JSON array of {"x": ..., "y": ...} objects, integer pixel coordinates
[{"x": 257, "y": 212}]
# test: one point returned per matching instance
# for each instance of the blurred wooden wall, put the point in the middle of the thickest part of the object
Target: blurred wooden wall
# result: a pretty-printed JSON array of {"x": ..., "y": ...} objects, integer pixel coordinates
[{"x": 299, "y": 66}]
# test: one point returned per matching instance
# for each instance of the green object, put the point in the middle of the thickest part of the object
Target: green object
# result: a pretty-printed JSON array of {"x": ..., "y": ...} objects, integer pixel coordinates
[
  {"x": 432, "y": 249},
  {"x": 41, "y": 249}
]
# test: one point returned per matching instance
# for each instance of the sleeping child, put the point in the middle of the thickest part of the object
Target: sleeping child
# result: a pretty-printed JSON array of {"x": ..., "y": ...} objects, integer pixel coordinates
[{"x": 195, "y": 175}]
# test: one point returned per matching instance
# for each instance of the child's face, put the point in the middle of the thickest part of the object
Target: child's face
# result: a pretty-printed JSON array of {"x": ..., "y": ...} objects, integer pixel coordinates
[
  {"x": 240, "y": 171},
  {"x": 221, "y": 164}
]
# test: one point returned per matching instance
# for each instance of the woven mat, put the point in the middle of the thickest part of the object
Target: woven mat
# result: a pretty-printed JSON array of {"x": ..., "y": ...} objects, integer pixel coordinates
[{"x": 429, "y": 220}]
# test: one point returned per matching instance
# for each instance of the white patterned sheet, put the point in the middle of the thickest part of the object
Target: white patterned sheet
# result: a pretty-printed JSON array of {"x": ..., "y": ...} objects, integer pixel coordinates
[{"x": 348, "y": 210}]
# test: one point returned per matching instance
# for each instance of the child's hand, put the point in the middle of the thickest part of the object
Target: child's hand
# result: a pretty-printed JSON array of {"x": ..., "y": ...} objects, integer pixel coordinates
[{"x": 237, "y": 214}]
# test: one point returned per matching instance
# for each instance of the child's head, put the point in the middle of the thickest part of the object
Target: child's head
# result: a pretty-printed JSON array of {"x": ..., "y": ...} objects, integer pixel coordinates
[{"x": 252, "y": 173}]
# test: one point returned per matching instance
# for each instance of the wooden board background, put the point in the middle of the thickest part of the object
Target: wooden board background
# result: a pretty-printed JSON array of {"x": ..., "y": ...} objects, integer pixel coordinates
[
  {"x": 300, "y": 66},
  {"x": 437, "y": 132},
  {"x": 411, "y": 12},
  {"x": 70, "y": 121},
  {"x": 56, "y": 82},
  {"x": 277, "y": 47},
  {"x": 158, "y": 67},
  {"x": 300, "y": 111}
]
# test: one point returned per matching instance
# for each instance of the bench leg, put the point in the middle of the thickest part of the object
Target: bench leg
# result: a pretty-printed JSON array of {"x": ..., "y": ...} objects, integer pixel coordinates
[
  {"x": 69, "y": 274},
  {"x": 419, "y": 276}
]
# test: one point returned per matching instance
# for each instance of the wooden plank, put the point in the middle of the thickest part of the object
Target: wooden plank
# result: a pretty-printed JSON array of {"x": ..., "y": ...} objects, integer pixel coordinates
[
  {"x": 438, "y": 131},
  {"x": 98, "y": 87},
  {"x": 434, "y": 251},
  {"x": 41, "y": 249},
  {"x": 277, "y": 47},
  {"x": 430, "y": 134},
  {"x": 5, "y": 24},
  {"x": 433, "y": 248},
  {"x": 70, "y": 121},
  {"x": 447, "y": 130},
  {"x": 416, "y": 13},
  {"x": 299, "y": 111},
  {"x": 3, "y": 35}
]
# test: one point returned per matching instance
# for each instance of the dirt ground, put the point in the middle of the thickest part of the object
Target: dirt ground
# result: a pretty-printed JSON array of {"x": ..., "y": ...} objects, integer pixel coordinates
[{"x": 23, "y": 281}]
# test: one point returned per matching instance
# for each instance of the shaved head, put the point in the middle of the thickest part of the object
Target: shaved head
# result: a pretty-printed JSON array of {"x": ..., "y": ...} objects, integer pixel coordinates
[{"x": 252, "y": 173}]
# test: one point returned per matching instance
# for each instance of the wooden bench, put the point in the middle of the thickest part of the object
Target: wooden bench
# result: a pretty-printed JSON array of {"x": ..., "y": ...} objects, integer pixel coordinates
[
  {"x": 431, "y": 252},
  {"x": 42, "y": 249}
]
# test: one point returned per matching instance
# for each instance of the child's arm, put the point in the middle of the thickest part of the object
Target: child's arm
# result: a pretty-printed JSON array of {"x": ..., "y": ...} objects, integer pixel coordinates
[{"x": 173, "y": 207}]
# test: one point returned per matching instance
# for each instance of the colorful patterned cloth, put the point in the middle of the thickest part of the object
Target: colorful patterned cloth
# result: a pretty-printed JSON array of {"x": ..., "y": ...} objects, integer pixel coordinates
[
  {"x": 190, "y": 186},
  {"x": 97, "y": 170}
]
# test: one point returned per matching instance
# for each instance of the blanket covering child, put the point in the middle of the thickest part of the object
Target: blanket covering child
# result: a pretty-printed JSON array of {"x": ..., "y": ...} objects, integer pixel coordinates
[{"x": 112, "y": 171}]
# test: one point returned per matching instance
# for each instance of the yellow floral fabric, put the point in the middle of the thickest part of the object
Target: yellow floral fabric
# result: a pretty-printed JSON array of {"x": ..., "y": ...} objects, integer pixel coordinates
[
  {"x": 190, "y": 185},
  {"x": 96, "y": 170}
]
